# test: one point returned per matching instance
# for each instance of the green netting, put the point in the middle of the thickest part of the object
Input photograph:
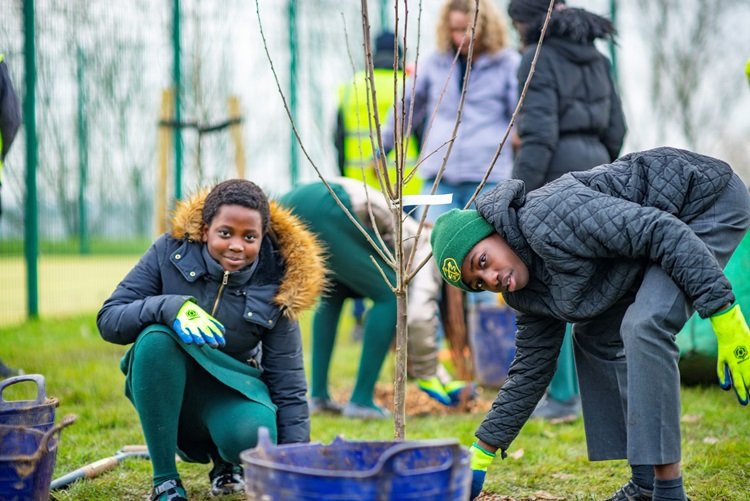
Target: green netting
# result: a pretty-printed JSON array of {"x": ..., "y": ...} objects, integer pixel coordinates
[{"x": 101, "y": 69}]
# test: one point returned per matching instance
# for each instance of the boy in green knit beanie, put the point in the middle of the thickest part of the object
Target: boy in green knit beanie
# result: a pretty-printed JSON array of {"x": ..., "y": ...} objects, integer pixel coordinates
[{"x": 626, "y": 252}]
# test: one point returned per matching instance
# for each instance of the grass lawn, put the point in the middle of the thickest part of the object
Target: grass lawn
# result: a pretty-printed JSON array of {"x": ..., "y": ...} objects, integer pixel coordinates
[
  {"x": 68, "y": 284},
  {"x": 546, "y": 461}
]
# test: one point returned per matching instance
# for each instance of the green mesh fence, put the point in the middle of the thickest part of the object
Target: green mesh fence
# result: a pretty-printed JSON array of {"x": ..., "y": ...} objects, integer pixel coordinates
[{"x": 101, "y": 70}]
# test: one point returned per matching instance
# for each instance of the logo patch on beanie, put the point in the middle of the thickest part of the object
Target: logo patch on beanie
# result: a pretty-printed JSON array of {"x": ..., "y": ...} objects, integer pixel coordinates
[{"x": 450, "y": 269}]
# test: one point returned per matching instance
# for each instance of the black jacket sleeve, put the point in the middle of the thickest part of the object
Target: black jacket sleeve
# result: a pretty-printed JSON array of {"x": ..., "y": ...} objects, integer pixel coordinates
[
  {"x": 138, "y": 301},
  {"x": 538, "y": 125},
  {"x": 538, "y": 341},
  {"x": 614, "y": 135},
  {"x": 10, "y": 111},
  {"x": 284, "y": 374},
  {"x": 601, "y": 226}
]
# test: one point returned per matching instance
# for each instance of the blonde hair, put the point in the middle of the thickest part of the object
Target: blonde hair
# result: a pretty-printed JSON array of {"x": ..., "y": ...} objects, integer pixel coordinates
[{"x": 491, "y": 31}]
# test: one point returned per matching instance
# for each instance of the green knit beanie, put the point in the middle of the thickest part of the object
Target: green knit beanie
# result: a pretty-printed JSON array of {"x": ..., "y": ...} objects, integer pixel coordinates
[{"x": 454, "y": 234}]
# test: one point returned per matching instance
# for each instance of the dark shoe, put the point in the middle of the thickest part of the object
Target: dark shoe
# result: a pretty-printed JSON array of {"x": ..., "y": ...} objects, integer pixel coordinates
[
  {"x": 557, "y": 412},
  {"x": 319, "y": 405},
  {"x": 632, "y": 492},
  {"x": 171, "y": 490},
  {"x": 226, "y": 478}
]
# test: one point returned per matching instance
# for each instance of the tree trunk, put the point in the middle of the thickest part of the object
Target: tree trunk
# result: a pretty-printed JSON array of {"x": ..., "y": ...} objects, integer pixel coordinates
[{"x": 399, "y": 380}]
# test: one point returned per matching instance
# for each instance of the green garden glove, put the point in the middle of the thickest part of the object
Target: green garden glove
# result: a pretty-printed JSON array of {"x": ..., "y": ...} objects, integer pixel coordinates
[
  {"x": 434, "y": 388},
  {"x": 479, "y": 461},
  {"x": 194, "y": 325},
  {"x": 733, "y": 338}
]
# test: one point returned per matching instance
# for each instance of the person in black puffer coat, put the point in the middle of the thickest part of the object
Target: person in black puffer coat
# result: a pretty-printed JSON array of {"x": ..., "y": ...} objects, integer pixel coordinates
[
  {"x": 571, "y": 119},
  {"x": 626, "y": 252}
]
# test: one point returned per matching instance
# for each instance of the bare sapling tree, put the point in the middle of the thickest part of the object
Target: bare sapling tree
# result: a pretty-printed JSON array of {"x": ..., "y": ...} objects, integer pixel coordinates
[{"x": 399, "y": 259}]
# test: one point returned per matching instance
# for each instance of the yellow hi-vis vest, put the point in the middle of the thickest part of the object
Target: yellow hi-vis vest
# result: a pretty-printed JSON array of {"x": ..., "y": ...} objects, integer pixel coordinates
[{"x": 358, "y": 151}]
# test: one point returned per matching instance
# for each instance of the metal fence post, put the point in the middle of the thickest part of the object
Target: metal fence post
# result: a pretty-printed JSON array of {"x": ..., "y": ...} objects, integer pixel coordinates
[{"x": 31, "y": 228}]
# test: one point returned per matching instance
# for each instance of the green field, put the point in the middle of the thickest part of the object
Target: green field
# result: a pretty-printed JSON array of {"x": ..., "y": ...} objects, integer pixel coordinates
[
  {"x": 68, "y": 284},
  {"x": 546, "y": 461}
]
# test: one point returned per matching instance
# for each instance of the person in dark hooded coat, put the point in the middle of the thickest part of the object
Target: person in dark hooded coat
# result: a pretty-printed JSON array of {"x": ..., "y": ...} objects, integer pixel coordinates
[
  {"x": 211, "y": 312},
  {"x": 571, "y": 119}
]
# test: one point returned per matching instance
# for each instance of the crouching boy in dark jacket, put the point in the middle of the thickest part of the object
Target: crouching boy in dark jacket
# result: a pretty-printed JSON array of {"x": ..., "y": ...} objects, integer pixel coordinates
[{"x": 626, "y": 252}]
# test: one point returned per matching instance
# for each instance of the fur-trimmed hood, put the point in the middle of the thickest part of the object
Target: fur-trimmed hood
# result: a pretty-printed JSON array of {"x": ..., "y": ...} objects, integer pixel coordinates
[{"x": 304, "y": 265}]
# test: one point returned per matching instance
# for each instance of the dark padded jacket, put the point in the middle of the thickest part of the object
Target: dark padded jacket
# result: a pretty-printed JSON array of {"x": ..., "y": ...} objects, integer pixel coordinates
[
  {"x": 572, "y": 117},
  {"x": 10, "y": 111},
  {"x": 587, "y": 239},
  {"x": 258, "y": 307}
]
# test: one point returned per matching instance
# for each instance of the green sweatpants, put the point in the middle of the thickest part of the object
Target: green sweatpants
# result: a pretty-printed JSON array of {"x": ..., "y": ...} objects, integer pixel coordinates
[
  {"x": 352, "y": 274},
  {"x": 184, "y": 409}
]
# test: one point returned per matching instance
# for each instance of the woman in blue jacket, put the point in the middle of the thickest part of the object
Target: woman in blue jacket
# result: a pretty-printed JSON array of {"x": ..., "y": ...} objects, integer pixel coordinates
[
  {"x": 211, "y": 312},
  {"x": 491, "y": 96}
]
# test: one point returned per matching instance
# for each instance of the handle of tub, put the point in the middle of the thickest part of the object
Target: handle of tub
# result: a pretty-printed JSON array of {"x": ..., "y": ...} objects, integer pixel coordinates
[
  {"x": 41, "y": 391},
  {"x": 390, "y": 460},
  {"x": 56, "y": 429}
]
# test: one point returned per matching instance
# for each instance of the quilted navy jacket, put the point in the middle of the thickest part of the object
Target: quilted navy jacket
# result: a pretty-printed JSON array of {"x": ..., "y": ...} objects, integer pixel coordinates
[
  {"x": 258, "y": 306},
  {"x": 587, "y": 238}
]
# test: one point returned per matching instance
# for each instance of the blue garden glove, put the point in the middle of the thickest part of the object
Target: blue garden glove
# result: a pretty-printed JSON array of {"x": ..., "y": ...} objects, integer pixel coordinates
[
  {"x": 733, "y": 338},
  {"x": 479, "y": 460},
  {"x": 194, "y": 325}
]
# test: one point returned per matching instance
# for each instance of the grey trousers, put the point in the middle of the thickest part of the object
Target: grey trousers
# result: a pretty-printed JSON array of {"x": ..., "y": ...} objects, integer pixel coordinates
[{"x": 627, "y": 357}]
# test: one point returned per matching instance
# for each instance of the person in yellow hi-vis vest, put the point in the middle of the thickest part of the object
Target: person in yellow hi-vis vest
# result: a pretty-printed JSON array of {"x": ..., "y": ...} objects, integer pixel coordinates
[
  {"x": 355, "y": 118},
  {"x": 10, "y": 121},
  {"x": 747, "y": 70}
]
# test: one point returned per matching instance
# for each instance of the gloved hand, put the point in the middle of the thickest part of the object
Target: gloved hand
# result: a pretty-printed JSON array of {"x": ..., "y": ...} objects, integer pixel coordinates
[
  {"x": 194, "y": 325},
  {"x": 733, "y": 337},
  {"x": 455, "y": 388},
  {"x": 479, "y": 460},
  {"x": 434, "y": 388}
]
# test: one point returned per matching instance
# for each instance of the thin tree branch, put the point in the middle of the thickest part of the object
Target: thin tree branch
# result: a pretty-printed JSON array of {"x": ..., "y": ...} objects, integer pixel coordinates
[
  {"x": 454, "y": 134},
  {"x": 518, "y": 107},
  {"x": 354, "y": 221},
  {"x": 521, "y": 100},
  {"x": 382, "y": 243}
]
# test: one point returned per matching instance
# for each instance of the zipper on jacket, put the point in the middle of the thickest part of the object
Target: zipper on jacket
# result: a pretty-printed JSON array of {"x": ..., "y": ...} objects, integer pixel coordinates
[{"x": 218, "y": 294}]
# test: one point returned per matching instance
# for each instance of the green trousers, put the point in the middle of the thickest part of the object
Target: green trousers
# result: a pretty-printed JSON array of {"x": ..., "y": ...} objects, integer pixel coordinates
[
  {"x": 184, "y": 409},
  {"x": 352, "y": 274}
]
